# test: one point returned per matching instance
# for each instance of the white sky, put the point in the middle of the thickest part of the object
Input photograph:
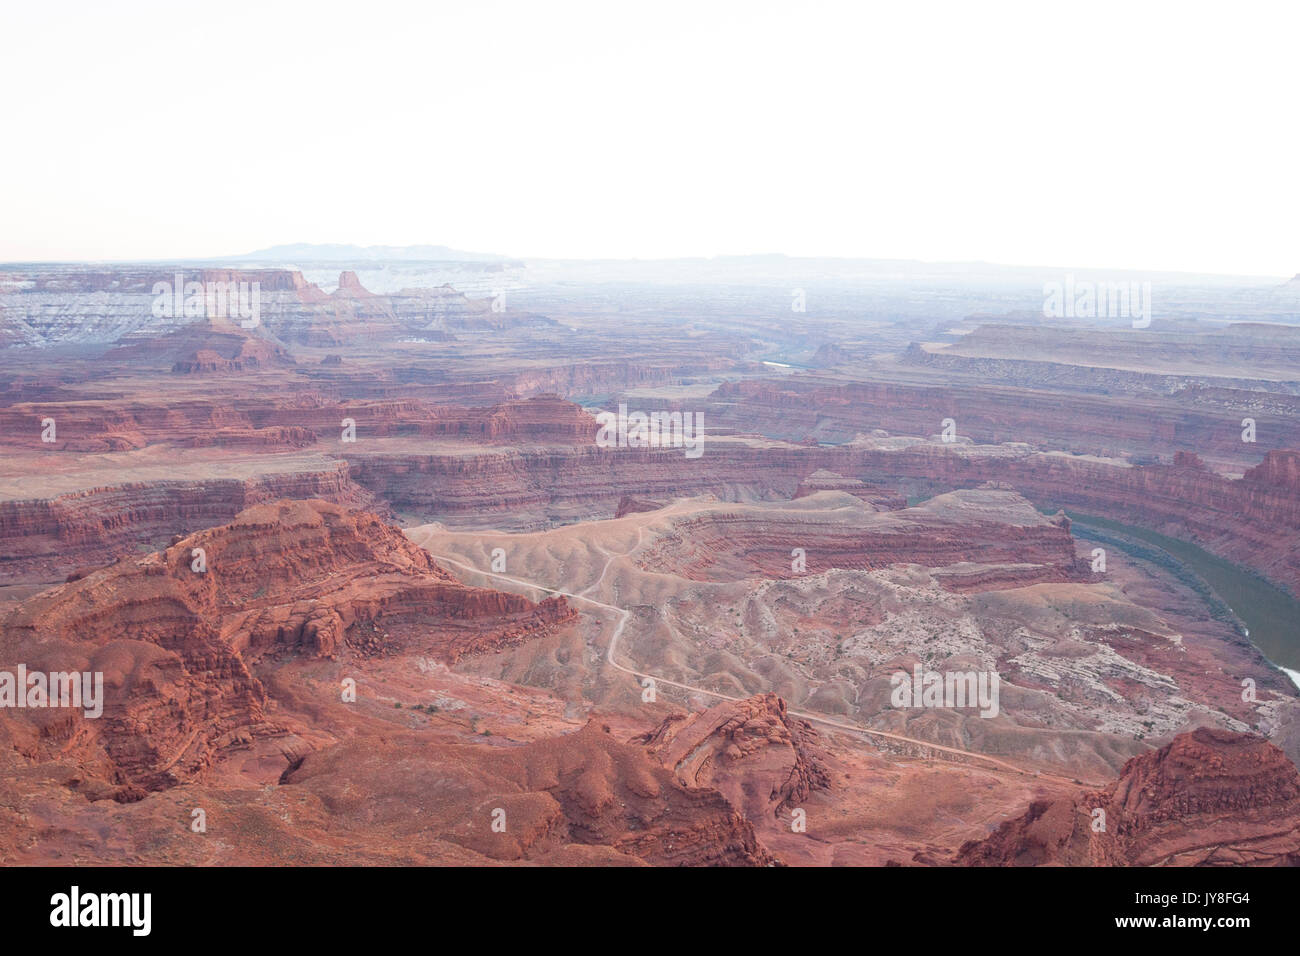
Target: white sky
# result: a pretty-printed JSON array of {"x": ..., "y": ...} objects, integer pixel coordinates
[{"x": 1100, "y": 135}]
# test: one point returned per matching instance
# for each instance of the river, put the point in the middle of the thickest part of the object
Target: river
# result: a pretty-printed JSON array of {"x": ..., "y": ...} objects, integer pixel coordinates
[{"x": 1271, "y": 616}]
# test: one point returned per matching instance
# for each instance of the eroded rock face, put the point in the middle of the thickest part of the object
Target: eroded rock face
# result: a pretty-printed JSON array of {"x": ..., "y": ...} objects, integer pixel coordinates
[
  {"x": 46, "y": 531},
  {"x": 570, "y": 799},
  {"x": 1208, "y": 798},
  {"x": 51, "y": 306},
  {"x": 1258, "y": 348},
  {"x": 762, "y": 759},
  {"x": 1253, "y": 520},
  {"x": 94, "y": 426},
  {"x": 175, "y": 644},
  {"x": 205, "y": 346},
  {"x": 987, "y": 536},
  {"x": 880, "y": 498},
  {"x": 44, "y": 538},
  {"x": 629, "y": 506},
  {"x": 1196, "y": 421}
]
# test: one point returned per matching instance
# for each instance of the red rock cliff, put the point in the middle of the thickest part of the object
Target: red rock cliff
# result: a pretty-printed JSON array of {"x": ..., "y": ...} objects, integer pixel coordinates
[{"x": 1208, "y": 798}]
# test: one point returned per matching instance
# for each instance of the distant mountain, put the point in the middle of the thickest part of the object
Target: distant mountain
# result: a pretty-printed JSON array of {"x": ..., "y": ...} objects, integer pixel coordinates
[{"x": 344, "y": 252}]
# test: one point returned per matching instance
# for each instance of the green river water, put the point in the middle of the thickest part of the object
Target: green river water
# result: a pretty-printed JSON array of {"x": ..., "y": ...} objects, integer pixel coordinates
[{"x": 1271, "y": 615}]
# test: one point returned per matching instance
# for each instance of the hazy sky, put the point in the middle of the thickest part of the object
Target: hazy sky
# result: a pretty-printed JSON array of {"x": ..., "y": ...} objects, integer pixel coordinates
[{"x": 1102, "y": 135}]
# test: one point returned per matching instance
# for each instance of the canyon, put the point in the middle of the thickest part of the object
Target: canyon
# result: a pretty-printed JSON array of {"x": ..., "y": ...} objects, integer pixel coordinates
[{"x": 362, "y": 582}]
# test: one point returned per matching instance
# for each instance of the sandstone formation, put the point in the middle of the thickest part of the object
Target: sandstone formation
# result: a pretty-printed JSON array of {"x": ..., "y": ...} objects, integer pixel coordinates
[
  {"x": 108, "y": 426},
  {"x": 1265, "y": 350},
  {"x": 50, "y": 306},
  {"x": 984, "y": 528},
  {"x": 581, "y": 798},
  {"x": 628, "y": 505},
  {"x": 1208, "y": 798},
  {"x": 1079, "y": 423},
  {"x": 1251, "y": 519},
  {"x": 764, "y": 761},
  {"x": 836, "y": 531},
  {"x": 882, "y": 499},
  {"x": 175, "y": 632},
  {"x": 43, "y": 538},
  {"x": 207, "y": 346}
]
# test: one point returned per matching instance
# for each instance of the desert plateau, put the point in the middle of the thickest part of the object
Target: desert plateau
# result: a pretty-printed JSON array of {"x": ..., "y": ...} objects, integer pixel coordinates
[
  {"x": 397, "y": 577},
  {"x": 838, "y": 455}
]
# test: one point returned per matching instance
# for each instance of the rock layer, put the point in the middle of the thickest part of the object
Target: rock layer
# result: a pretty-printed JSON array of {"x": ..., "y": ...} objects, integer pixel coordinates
[
  {"x": 557, "y": 800},
  {"x": 174, "y": 633},
  {"x": 763, "y": 760},
  {"x": 1208, "y": 798}
]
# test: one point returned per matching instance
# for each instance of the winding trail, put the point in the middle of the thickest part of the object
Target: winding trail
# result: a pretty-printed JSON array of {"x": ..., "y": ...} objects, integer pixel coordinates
[{"x": 624, "y": 614}]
